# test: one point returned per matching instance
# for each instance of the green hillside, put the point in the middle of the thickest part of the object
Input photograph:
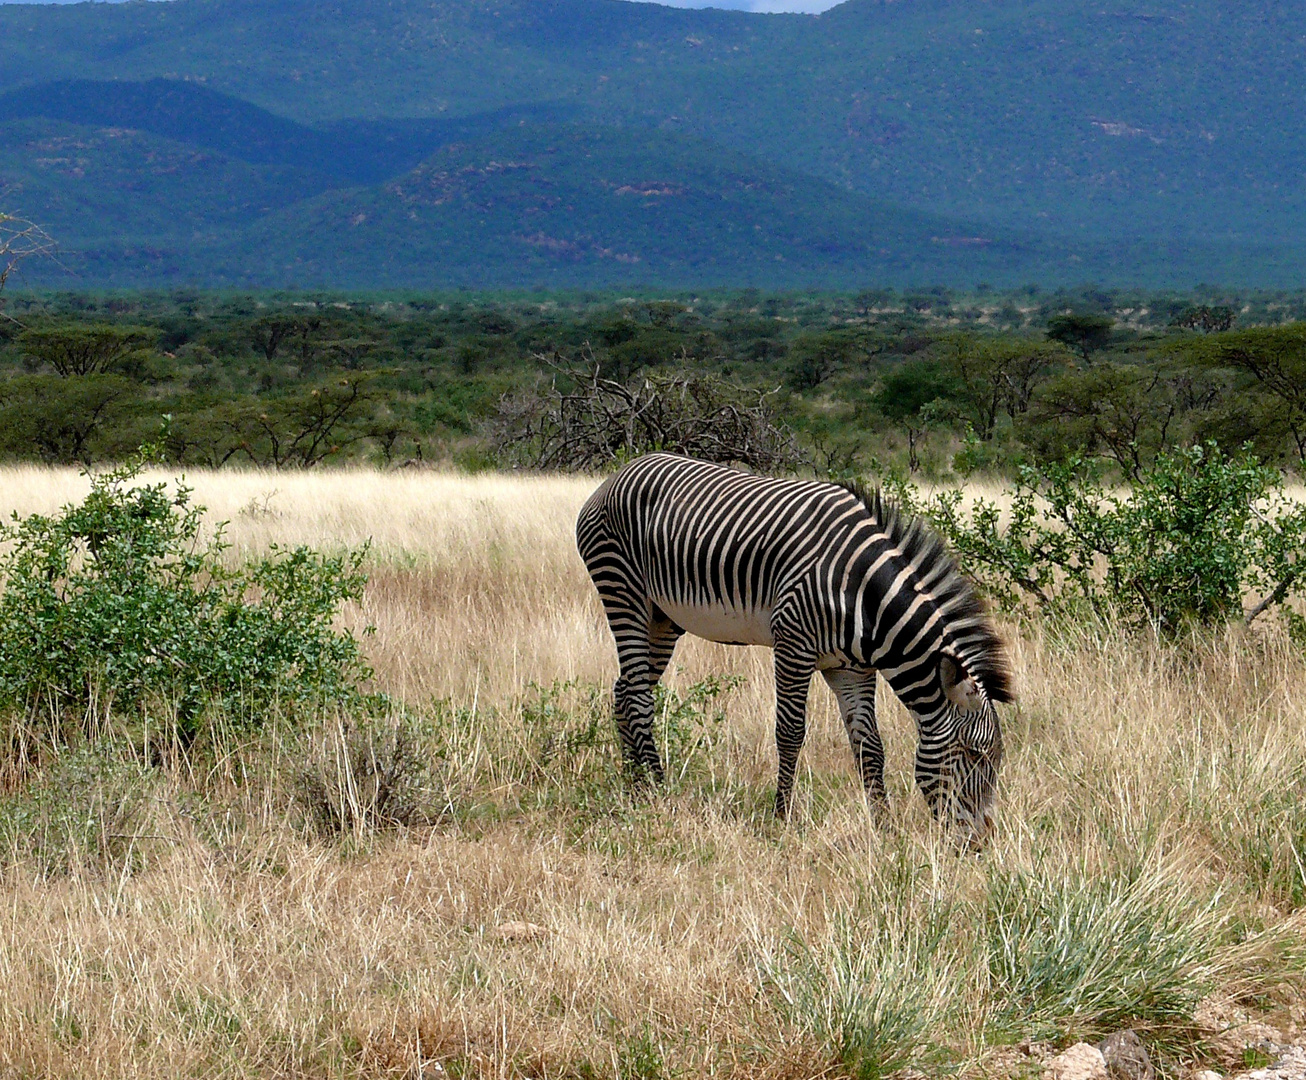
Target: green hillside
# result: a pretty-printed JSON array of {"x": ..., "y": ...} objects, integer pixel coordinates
[
  {"x": 89, "y": 183},
  {"x": 1157, "y": 146},
  {"x": 567, "y": 205},
  {"x": 554, "y": 205}
]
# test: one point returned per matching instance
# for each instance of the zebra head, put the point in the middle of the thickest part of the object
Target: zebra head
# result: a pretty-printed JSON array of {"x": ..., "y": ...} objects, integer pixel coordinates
[
  {"x": 960, "y": 748},
  {"x": 929, "y": 633}
]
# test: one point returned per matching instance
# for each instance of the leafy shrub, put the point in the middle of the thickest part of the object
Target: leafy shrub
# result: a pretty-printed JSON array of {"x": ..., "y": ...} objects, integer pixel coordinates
[
  {"x": 569, "y": 725},
  {"x": 1197, "y": 532},
  {"x": 689, "y": 724},
  {"x": 567, "y": 730},
  {"x": 116, "y": 607},
  {"x": 640, "y": 1057},
  {"x": 978, "y": 456}
]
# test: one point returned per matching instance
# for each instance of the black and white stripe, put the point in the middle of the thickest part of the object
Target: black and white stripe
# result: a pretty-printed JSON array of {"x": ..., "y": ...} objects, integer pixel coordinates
[{"x": 835, "y": 581}]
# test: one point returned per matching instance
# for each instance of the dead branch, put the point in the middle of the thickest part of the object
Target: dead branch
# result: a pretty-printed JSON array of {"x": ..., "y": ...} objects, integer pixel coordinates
[
  {"x": 583, "y": 421},
  {"x": 20, "y": 239}
]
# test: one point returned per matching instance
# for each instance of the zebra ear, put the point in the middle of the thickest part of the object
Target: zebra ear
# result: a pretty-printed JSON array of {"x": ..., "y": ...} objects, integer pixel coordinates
[{"x": 959, "y": 687}]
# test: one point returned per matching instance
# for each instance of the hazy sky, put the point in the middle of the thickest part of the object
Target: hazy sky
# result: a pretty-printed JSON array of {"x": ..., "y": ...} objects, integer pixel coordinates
[
  {"x": 807, "y": 6},
  {"x": 738, "y": 5}
]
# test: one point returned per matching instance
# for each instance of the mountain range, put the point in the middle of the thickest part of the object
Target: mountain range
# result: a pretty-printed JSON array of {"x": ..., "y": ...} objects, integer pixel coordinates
[{"x": 518, "y": 143}]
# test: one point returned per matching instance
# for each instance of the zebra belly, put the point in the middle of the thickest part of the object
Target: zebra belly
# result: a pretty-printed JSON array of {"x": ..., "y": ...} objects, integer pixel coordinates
[{"x": 716, "y": 622}]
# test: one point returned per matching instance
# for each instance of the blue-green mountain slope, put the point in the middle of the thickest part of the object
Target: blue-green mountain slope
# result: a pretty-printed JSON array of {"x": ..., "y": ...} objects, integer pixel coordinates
[
  {"x": 534, "y": 204},
  {"x": 563, "y": 205},
  {"x": 1147, "y": 139}
]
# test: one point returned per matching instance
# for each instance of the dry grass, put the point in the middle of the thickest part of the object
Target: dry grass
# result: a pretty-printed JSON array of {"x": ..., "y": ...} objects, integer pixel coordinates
[{"x": 550, "y": 924}]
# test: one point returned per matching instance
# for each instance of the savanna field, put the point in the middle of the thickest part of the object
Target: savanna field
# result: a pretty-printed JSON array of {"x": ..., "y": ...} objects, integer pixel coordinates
[{"x": 466, "y": 886}]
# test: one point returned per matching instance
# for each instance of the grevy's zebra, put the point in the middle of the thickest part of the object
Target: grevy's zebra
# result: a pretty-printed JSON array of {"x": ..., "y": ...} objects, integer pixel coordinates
[{"x": 830, "y": 577}]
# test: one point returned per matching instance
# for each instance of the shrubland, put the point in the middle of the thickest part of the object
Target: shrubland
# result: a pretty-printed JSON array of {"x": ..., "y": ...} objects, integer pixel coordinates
[
  {"x": 936, "y": 383},
  {"x": 437, "y": 869}
]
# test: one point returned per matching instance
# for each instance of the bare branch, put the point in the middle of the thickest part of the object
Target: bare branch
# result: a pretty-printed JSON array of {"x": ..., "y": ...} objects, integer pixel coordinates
[
  {"x": 1276, "y": 596},
  {"x": 598, "y": 422},
  {"x": 20, "y": 239}
]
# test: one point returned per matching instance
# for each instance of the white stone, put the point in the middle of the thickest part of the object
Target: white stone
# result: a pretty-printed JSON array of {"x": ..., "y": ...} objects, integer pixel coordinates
[
  {"x": 1291, "y": 1065},
  {"x": 519, "y": 931},
  {"x": 1079, "y": 1062}
]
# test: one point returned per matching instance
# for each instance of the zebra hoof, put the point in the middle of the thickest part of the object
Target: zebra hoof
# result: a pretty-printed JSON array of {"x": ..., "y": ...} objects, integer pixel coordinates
[
  {"x": 877, "y": 809},
  {"x": 645, "y": 778}
]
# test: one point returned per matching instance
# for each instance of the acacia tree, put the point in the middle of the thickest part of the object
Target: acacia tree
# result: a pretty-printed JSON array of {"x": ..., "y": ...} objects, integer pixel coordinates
[
  {"x": 268, "y": 333},
  {"x": 304, "y": 428},
  {"x": 1276, "y": 358},
  {"x": 79, "y": 349},
  {"x": 917, "y": 394},
  {"x": 816, "y": 358},
  {"x": 1085, "y": 333},
  {"x": 61, "y": 419},
  {"x": 998, "y": 374},
  {"x": 1123, "y": 411},
  {"x": 1207, "y": 319}
]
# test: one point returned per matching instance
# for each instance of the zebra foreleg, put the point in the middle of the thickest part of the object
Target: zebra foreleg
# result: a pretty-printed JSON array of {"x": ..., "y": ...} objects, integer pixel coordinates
[
  {"x": 793, "y": 676},
  {"x": 633, "y": 699},
  {"x": 855, "y": 692},
  {"x": 642, "y": 665}
]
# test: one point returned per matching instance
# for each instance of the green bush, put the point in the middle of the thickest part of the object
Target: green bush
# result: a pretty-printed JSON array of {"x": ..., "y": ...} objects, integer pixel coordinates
[
  {"x": 1195, "y": 534},
  {"x": 688, "y": 725},
  {"x": 567, "y": 732},
  {"x": 117, "y": 608},
  {"x": 568, "y": 726}
]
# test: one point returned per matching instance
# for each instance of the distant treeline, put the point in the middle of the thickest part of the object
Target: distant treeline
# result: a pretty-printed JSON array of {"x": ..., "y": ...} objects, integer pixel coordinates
[{"x": 932, "y": 381}]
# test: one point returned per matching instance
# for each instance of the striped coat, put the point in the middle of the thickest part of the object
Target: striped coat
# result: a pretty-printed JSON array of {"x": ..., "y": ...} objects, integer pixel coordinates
[{"x": 834, "y": 581}]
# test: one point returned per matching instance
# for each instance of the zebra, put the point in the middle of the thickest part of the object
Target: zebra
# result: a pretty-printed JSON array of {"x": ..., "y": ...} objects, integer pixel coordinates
[{"x": 835, "y": 579}]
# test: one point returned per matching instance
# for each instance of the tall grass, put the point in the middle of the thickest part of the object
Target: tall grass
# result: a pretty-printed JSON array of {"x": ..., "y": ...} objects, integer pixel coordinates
[{"x": 516, "y": 909}]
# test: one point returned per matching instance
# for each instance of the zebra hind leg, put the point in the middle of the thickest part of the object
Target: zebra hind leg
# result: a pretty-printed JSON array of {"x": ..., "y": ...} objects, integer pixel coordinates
[
  {"x": 634, "y": 706},
  {"x": 662, "y": 637}
]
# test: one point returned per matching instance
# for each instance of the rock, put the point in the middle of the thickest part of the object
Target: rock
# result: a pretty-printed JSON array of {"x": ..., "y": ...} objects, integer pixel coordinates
[
  {"x": 1207, "y": 1074},
  {"x": 1291, "y": 1065},
  {"x": 1126, "y": 1057},
  {"x": 1230, "y": 1031},
  {"x": 1079, "y": 1062},
  {"x": 1006, "y": 1061},
  {"x": 1268, "y": 1040},
  {"x": 1039, "y": 1051},
  {"x": 519, "y": 931},
  {"x": 1217, "y": 1012}
]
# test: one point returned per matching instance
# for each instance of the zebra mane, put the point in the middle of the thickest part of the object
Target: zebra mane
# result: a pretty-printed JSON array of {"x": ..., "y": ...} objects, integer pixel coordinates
[{"x": 983, "y": 652}]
